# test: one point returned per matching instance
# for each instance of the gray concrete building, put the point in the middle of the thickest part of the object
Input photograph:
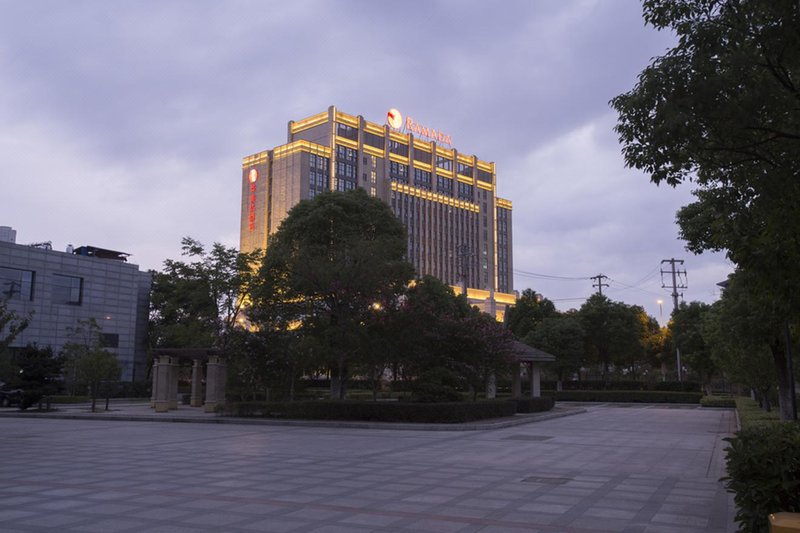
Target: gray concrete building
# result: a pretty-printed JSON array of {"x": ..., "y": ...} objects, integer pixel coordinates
[
  {"x": 458, "y": 229},
  {"x": 60, "y": 288}
]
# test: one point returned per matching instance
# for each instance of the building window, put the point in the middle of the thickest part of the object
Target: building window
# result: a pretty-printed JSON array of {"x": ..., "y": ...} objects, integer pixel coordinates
[
  {"x": 373, "y": 191},
  {"x": 16, "y": 284},
  {"x": 423, "y": 156},
  {"x": 345, "y": 153},
  {"x": 374, "y": 161},
  {"x": 109, "y": 340},
  {"x": 376, "y": 141},
  {"x": 464, "y": 170},
  {"x": 373, "y": 177},
  {"x": 444, "y": 185},
  {"x": 484, "y": 176},
  {"x": 348, "y": 132},
  {"x": 398, "y": 148},
  {"x": 343, "y": 185},
  {"x": 398, "y": 171},
  {"x": 465, "y": 191},
  {"x": 422, "y": 179},
  {"x": 444, "y": 163},
  {"x": 67, "y": 289}
]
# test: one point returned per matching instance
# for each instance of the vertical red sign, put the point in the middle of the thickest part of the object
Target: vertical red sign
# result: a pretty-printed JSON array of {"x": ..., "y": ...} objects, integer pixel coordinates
[{"x": 251, "y": 212}]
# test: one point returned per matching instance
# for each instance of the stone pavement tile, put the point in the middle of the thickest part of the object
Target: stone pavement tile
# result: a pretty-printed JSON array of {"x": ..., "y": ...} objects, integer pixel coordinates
[
  {"x": 449, "y": 491},
  {"x": 528, "y": 518},
  {"x": 59, "y": 520},
  {"x": 680, "y": 520},
  {"x": 157, "y": 499},
  {"x": 325, "y": 515},
  {"x": 218, "y": 519},
  {"x": 167, "y": 528},
  {"x": 257, "y": 508},
  {"x": 276, "y": 525},
  {"x": 203, "y": 504},
  {"x": 429, "y": 498},
  {"x": 337, "y": 528},
  {"x": 64, "y": 492},
  {"x": 605, "y": 512},
  {"x": 484, "y": 503},
  {"x": 112, "y": 525},
  {"x": 431, "y": 525},
  {"x": 60, "y": 505},
  {"x": 684, "y": 509},
  {"x": 619, "y": 503},
  {"x": 598, "y": 523},
  {"x": 558, "y": 499},
  {"x": 163, "y": 513},
  {"x": 365, "y": 519},
  {"x": 111, "y": 509},
  {"x": 551, "y": 508},
  {"x": 15, "y": 501}
]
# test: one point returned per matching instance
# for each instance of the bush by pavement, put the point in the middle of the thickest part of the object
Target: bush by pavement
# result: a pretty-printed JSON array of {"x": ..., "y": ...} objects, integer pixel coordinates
[
  {"x": 534, "y": 405},
  {"x": 626, "y": 396},
  {"x": 764, "y": 473}
]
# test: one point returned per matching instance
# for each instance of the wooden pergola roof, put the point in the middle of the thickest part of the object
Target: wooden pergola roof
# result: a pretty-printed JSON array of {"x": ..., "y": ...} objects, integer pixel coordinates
[{"x": 527, "y": 354}]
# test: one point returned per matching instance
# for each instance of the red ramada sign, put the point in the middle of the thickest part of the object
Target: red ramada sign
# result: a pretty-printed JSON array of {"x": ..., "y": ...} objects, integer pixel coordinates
[
  {"x": 395, "y": 120},
  {"x": 251, "y": 211}
]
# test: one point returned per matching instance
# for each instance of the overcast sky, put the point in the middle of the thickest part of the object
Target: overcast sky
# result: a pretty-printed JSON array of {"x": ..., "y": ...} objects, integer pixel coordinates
[{"x": 123, "y": 125}]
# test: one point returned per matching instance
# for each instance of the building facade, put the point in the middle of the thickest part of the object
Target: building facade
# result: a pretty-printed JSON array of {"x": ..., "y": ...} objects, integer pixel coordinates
[
  {"x": 458, "y": 229},
  {"x": 58, "y": 289}
]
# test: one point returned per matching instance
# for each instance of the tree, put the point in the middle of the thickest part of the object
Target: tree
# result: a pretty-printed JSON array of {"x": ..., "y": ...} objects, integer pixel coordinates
[
  {"x": 721, "y": 110},
  {"x": 686, "y": 328},
  {"x": 612, "y": 332},
  {"x": 88, "y": 361},
  {"x": 529, "y": 311},
  {"x": 198, "y": 303},
  {"x": 331, "y": 261},
  {"x": 11, "y": 325},
  {"x": 38, "y": 371},
  {"x": 561, "y": 336}
]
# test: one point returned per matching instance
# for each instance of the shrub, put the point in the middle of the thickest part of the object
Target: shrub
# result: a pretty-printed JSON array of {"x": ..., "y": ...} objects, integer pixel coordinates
[
  {"x": 451, "y": 412},
  {"x": 68, "y": 399},
  {"x": 764, "y": 473},
  {"x": 751, "y": 415},
  {"x": 628, "y": 396},
  {"x": 437, "y": 384},
  {"x": 534, "y": 405},
  {"x": 677, "y": 386},
  {"x": 718, "y": 401}
]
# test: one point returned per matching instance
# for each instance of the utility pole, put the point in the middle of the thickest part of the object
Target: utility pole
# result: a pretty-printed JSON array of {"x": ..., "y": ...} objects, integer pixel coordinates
[
  {"x": 676, "y": 284},
  {"x": 599, "y": 284}
]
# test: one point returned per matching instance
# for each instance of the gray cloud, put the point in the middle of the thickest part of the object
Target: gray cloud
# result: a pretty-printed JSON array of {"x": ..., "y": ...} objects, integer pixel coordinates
[{"x": 124, "y": 124}]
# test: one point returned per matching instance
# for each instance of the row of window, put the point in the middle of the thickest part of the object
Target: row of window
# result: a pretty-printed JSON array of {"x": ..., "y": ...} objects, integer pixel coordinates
[{"x": 17, "y": 284}]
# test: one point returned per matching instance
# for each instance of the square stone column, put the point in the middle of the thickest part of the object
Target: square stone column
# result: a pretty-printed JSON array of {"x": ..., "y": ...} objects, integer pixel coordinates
[
  {"x": 196, "y": 399},
  {"x": 213, "y": 370},
  {"x": 516, "y": 381},
  {"x": 173, "y": 383},
  {"x": 536, "y": 378},
  {"x": 154, "y": 385},
  {"x": 162, "y": 377}
]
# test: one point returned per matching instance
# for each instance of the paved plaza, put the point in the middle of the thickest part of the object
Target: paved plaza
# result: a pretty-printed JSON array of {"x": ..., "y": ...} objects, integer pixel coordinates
[{"x": 611, "y": 469}]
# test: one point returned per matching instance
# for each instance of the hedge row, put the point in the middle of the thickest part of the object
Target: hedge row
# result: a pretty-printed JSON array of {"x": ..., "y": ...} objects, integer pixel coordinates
[
  {"x": 677, "y": 386},
  {"x": 450, "y": 412},
  {"x": 718, "y": 401},
  {"x": 751, "y": 415},
  {"x": 627, "y": 396},
  {"x": 534, "y": 405},
  {"x": 764, "y": 473}
]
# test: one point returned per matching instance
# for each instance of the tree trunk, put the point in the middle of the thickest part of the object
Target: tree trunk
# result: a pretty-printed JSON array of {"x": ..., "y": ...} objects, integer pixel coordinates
[{"x": 785, "y": 400}]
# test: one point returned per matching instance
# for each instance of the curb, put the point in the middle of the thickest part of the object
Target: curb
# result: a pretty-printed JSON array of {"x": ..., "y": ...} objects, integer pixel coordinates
[{"x": 501, "y": 423}]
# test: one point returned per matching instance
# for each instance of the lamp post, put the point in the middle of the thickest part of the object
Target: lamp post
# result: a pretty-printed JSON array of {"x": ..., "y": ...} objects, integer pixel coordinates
[{"x": 660, "y": 311}]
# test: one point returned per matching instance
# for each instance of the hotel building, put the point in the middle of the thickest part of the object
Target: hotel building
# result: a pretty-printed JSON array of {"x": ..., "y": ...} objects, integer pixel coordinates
[{"x": 458, "y": 229}]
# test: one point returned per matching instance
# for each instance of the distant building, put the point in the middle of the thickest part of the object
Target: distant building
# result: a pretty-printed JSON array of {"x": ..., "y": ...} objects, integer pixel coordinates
[
  {"x": 458, "y": 229},
  {"x": 61, "y": 288}
]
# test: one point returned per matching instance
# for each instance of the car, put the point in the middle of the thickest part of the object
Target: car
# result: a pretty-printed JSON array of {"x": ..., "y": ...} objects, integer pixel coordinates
[{"x": 10, "y": 397}]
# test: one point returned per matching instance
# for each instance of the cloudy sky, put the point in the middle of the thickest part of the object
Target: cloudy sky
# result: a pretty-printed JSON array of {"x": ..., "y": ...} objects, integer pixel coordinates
[{"x": 123, "y": 125}]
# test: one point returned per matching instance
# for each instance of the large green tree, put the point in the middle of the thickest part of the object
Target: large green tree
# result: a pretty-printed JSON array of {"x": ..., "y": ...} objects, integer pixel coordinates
[
  {"x": 331, "y": 262},
  {"x": 529, "y": 311},
  {"x": 87, "y": 361},
  {"x": 721, "y": 109},
  {"x": 686, "y": 328},
  {"x": 612, "y": 332},
  {"x": 196, "y": 303},
  {"x": 561, "y": 336}
]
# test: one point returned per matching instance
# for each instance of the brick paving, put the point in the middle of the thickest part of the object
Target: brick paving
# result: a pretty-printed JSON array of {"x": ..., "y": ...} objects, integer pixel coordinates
[{"x": 635, "y": 469}]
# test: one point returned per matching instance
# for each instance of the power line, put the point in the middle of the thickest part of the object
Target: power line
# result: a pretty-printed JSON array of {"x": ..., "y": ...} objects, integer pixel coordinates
[
  {"x": 550, "y": 276},
  {"x": 600, "y": 284}
]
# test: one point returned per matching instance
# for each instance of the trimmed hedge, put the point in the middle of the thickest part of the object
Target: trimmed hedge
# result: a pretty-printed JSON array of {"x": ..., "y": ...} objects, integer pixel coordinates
[
  {"x": 450, "y": 412},
  {"x": 627, "y": 396},
  {"x": 618, "y": 385},
  {"x": 718, "y": 401},
  {"x": 764, "y": 473},
  {"x": 534, "y": 405}
]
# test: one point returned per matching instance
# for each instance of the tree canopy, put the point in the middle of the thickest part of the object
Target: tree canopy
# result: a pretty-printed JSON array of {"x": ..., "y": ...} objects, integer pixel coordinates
[{"x": 334, "y": 260}]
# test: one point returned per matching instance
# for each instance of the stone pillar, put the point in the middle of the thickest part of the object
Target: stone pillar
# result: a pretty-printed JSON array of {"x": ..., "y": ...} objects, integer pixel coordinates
[
  {"x": 491, "y": 387},
  {"x": 222, "y": 376},
  {"x": 212, "y": 383},
  {"x": 162, "y": 383},
  {"x": 536, "y": 378},
  {"x": 154, "y": 386},
  {"x": 196, "y": 399},
  {"x": 173, "y": 383},
  {"x": 516, "y": 382}
]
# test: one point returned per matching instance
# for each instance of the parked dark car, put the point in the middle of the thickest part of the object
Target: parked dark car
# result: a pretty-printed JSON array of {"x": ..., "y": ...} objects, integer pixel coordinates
[{"x": 10, "y": 397}]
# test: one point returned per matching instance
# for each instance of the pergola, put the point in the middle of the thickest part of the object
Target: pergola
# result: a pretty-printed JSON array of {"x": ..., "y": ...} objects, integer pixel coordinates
[
  {"x": 533, "y": 358},
  {"x": 166, "y": 362}
]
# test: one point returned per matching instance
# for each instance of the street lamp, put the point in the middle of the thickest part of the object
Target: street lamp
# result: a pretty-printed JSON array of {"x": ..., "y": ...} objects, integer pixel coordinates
[{"x": 660, "y": 310}]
